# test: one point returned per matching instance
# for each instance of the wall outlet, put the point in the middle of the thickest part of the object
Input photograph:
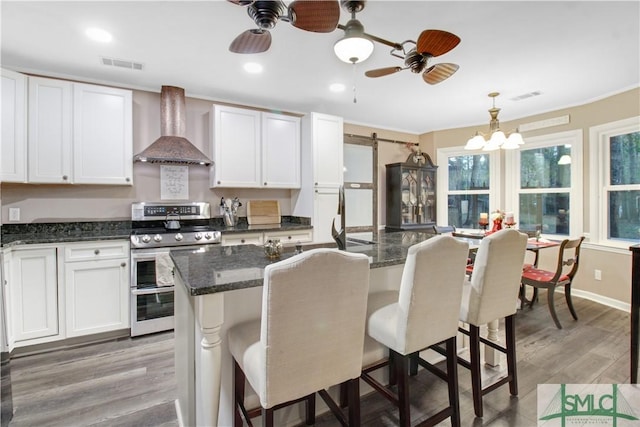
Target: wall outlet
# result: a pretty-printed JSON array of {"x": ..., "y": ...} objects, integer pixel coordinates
[
  {"x": 14, "y": 214},
  {"x": 597, "y": 274}
]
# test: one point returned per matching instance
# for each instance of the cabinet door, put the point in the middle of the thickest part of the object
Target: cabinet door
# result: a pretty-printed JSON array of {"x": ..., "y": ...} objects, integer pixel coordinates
[
  {"x": 241, "y": 239},
  {"x": 34, "y": 294},
  {"x": 97, "y": 296},
  {"x": 235, "y": 148},
  {"x": 280, "y": 151},
  {"x": 325, "y": 210},
  {"x": 49, "y": 140},
  {"x": 13, "y": 151},
  {"x": 290, "y": 237},
  {"x": 102, "y": 135},
  {"x": 327, "y": 138}
]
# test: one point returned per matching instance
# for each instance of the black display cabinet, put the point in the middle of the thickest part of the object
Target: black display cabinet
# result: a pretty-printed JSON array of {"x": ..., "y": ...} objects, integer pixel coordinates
[{"x": 411, "y": 193}]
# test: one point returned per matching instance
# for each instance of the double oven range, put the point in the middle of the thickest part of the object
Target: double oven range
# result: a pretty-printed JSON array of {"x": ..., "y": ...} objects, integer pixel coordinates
[{"x": 156, "y": 228}]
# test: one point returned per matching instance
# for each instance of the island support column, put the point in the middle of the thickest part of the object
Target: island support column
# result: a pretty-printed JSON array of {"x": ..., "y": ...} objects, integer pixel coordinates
[{"x": 210, "y": 315}]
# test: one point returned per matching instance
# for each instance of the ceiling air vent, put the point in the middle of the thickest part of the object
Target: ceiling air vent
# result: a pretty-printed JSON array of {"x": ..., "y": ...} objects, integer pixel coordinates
[
  {"x": 122, "y": 63},
  {"x": 526, "y": 95}
]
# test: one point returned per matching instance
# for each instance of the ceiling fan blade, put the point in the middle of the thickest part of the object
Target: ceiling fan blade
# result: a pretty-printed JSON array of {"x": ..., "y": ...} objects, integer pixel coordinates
[
  {"x": 382, "y": 71},
  {"x": 251, "y": 41},
  {"x": 318, "y": 16},
  {"x": 436, "y": 42},
  {"x": 439, "y": 72}
]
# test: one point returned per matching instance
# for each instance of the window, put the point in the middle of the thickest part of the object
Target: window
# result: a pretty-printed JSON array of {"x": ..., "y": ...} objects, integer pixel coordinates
[
  {"x": 546, "y": 189},
  {"x": 615, "y": 183},
  {"x": 468, "y": 184}
]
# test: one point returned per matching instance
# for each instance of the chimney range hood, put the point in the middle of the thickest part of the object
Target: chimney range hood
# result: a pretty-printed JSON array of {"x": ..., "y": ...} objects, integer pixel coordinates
[{"x": 172, "y": 147}]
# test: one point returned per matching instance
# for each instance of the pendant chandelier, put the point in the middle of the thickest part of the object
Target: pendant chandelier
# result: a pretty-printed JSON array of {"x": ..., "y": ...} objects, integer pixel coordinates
[{"x": 496, "y": 138}]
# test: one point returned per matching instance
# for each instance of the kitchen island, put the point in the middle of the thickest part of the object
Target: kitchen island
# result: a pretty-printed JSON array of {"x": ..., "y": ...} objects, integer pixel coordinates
[{"x": 220, "y": 286}]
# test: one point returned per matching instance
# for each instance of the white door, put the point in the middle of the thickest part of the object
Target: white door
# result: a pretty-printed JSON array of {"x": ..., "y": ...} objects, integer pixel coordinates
[
  {"x": 97, "y": 296},
  {"x": 50, "y": 128},
  {"x": 102, "y": 135},
  {"x": 280, "y": 151},
  {"x": 236, "y": 147},
  {"x": 13, "y": 151},
  {"x": 34, "y": 294}
]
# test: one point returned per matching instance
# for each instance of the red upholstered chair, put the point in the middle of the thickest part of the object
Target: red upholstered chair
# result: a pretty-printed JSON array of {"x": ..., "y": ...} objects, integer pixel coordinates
[{"x": 566, "y": 269}]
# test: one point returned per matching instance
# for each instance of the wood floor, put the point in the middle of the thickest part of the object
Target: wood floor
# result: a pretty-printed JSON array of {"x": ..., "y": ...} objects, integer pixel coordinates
[{"x": 130, "y": 382}]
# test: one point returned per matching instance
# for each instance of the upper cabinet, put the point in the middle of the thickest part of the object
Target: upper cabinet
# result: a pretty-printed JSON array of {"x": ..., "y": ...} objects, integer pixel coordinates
[
  {"x": 102, "y": 135},
  {"x": 76, "y": 133},
  {"x": 251, "y": 149},
  {"x": 50, "y": 127},
  {"x": 327, "y": 143},
  {"x": 13, "y": 153}
]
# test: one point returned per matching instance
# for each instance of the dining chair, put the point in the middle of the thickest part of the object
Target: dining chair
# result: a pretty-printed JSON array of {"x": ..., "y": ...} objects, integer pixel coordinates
[
  {"x": 492, "y": 293},
  {"x": 425, "y": 313},
  {"x": 566, "y": 269},
  {"x": 309, "y": 337}
]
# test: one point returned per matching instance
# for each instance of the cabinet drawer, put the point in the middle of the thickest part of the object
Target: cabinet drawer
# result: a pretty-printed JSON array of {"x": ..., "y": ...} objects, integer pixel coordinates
[
  {"x": 242, "y": 239},
  {"x": 96, "y": 251},
  {"x": 290, "y": 237}
]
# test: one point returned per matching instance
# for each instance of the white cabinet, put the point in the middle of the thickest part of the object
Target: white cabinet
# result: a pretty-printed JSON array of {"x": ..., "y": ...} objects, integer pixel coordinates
[
  {"x": 50, "y": 127},
  {"x": 234, "y": 239},
  {"x": 280, "y": 151},
  {"x": 290, "y": 237},
  {"x": 79, "y": 133},
  {"x": 33, "y": 287},
  {"x": 251, "y": 149},
  {"x": 96, "y": 287},
  {"x": 322, "y": 173},
  {"x": 102, "y": 135},
  {"x": 13, "y": 151}
]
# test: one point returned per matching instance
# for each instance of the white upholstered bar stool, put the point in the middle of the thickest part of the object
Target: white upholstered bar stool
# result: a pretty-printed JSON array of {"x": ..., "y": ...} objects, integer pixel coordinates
[
  {"x": 310, "y": 335},
  {"x": 425, "y": 313},
  {"x": 492, "y": 293}
]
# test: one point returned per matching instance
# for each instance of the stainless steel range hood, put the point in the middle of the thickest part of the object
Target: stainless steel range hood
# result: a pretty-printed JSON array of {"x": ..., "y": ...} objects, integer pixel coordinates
[{"x": 172, "y": 147}]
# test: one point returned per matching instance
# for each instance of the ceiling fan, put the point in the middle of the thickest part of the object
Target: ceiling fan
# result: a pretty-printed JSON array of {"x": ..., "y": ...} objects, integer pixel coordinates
[
  {"x": 431, "y": 43},
  {"x": 319, "y": 16}
]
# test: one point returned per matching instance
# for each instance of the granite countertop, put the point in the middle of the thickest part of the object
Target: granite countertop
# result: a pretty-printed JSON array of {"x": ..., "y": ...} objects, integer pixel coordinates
[
  {"x": 224, "y": 268},
  {"x": 65, "y": 232}
]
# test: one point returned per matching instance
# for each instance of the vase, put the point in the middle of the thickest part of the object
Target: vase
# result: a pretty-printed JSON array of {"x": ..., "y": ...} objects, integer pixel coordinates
[{"x": 497, "y": 225}]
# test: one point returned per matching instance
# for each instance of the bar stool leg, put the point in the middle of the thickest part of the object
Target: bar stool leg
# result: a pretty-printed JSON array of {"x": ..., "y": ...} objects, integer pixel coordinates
[
  {"x": 510, "y": 338},
  {"x": 353, "y": 388},
  {"x": 476, "y": 375},
  {"x": 402, "y": 375},
  {"x": 452, "y": 380},
  {"x": 238, "y": 394}
]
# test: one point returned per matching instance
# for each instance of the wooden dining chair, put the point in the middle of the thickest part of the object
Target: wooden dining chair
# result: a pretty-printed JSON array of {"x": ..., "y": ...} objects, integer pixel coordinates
[
  {"x": 566, "y": 269},
  {"x": 310, "y": 336}
]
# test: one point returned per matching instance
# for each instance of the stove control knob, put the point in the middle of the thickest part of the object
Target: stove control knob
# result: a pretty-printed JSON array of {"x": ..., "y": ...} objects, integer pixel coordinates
[
  {"x": 198, "y": 236},
  {"x": 207, "y": 235},
  {"x": 146, "y": 238},
  {"x": 178, "y": 237},
  {"x": 157, "y": 238}
]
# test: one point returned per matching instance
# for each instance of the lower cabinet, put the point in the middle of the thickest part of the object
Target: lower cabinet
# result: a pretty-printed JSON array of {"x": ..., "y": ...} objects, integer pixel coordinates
[
  {"x": 97, "y": 294},
  {"x": 33, "y": 289},
  {"x": 287, "y": 237},
  {"x": 69, "y": 290}
]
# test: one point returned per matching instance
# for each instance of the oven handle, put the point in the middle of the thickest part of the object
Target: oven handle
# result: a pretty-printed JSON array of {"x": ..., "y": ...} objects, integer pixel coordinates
[{"x": 160, "y": 290}]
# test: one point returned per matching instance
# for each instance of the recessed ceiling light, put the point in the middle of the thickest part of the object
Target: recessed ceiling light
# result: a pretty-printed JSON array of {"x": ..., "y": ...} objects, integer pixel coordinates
[
  {"x": 337, "y": 87},
  {"x": 253, "y": 67},
  {"x": 99, "y": 35}
]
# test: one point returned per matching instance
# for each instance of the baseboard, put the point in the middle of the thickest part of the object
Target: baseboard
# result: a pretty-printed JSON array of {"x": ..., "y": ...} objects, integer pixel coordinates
[{"x": 609, "y": 302}]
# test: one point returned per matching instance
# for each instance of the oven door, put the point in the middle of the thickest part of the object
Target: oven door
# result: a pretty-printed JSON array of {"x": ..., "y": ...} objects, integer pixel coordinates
[{"x": 151, "y": 305}]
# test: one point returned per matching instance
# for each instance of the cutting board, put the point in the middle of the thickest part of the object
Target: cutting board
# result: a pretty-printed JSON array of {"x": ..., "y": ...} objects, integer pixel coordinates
[{"x": 263, "y": 212}]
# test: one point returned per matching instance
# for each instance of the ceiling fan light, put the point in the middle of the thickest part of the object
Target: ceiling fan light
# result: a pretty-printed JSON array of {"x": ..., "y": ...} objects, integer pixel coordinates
[
  {"x": 353, "y": 49},
  {"x": 475, "y": 143}
]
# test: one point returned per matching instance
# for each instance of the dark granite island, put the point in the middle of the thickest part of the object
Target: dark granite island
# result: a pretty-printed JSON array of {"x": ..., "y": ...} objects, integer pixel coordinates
[{"x": 220, "y": 286}]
